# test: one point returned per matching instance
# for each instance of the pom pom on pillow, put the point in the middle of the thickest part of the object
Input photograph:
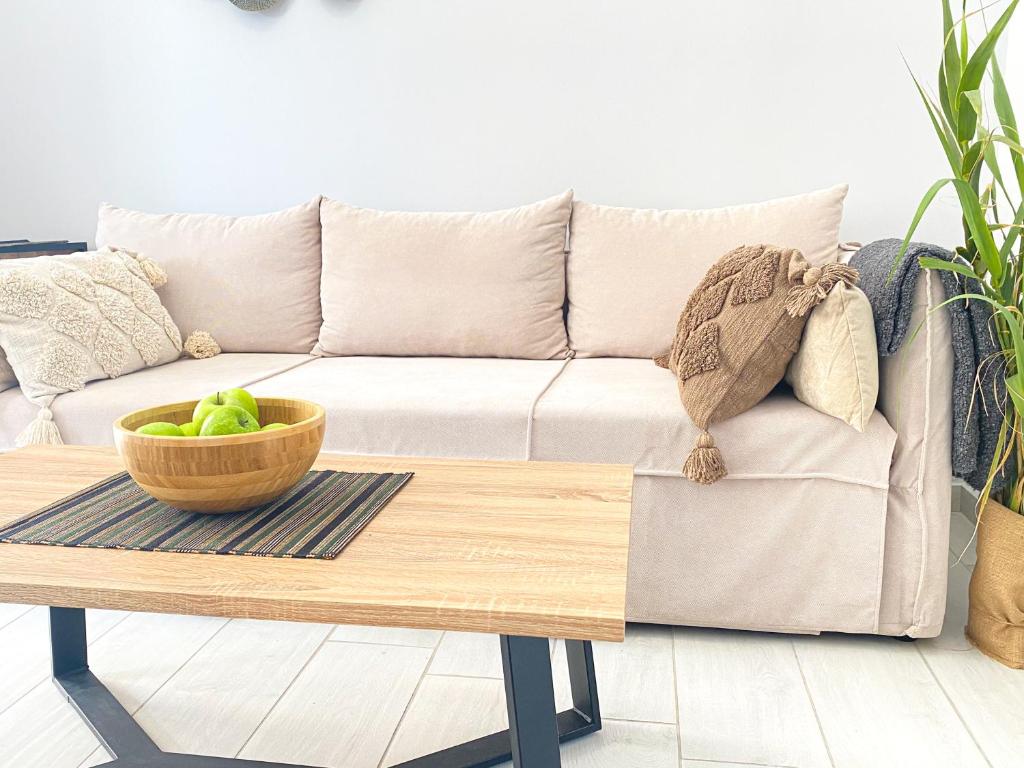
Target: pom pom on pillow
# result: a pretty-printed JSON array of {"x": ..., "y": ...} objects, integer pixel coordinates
[{"x": 201, "y": 345}]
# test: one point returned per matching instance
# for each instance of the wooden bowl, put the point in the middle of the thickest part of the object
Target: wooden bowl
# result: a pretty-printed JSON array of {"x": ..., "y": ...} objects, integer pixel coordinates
[{"x": 227, "y": 473}]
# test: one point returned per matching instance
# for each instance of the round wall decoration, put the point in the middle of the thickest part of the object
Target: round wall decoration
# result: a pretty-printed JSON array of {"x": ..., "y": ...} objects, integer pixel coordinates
[{"x": 254, "y": 5}]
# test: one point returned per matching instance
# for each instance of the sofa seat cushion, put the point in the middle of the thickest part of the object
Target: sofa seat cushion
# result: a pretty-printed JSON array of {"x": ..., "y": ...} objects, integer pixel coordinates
[
  {"x": 421, "y": 406},
  {"x": 85, "y": 417},
  {"x": 627, "y": 411}
]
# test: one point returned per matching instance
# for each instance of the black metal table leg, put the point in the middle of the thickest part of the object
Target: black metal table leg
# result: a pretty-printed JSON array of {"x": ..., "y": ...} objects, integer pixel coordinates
[
  {"x": 115, "y": 728},
  {"x": 531, "y": 741},
  {"x": 530, "y": 696},
  {"x": 583, "y": 684},
  {"x": 583, "y": 718}
]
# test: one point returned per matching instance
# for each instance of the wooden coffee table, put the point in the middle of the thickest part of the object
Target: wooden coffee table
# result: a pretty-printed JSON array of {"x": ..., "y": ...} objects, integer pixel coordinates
[{"x": 526, "y": 550}]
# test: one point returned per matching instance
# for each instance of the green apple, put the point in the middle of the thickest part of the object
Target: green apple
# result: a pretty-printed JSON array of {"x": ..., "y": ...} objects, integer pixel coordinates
[
  {"x": 161, "y": 429},
  {"x": 238, "y": 397},
  {"x": 228, "y": 420},
  {"x": 275, "y": 425},
  {"x": 189, "y": 429}
]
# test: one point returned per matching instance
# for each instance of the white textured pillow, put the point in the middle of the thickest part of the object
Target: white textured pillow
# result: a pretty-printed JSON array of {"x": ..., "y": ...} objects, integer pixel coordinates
[
  {"x": 836, "y": 369},
  {"x": 7, "y": 378},
  {"x": 631, "y": 271},
  {"x": 253, "y": 282},
  {"x": 456, "y": 284},
  {"x": 68, "y": 320}
]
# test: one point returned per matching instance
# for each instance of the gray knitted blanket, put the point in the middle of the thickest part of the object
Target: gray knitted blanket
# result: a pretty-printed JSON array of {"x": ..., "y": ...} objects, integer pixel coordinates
[{"x": 977, "y": 413}]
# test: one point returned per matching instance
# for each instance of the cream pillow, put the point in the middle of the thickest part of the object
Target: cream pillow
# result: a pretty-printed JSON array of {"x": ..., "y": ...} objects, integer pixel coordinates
[
  {"x": 629, "y": 270},
  {"x": 455, "y": 284},
  {"x": 252, "y": 282},
  {"x": 68, "y": 320},
  {"x": 836, "y": 369}
]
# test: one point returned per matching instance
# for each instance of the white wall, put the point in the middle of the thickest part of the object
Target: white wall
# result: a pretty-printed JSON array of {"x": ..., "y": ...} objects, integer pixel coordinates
[{"x": 462, "y": 104}]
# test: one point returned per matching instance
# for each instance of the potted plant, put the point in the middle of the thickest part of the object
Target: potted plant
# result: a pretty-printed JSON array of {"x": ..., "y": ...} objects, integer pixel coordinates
[{"x": 987, "y": 163}]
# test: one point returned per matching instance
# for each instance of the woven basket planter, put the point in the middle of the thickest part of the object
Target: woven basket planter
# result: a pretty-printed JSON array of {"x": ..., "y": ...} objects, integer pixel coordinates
[{"x": 995, "y": 623}]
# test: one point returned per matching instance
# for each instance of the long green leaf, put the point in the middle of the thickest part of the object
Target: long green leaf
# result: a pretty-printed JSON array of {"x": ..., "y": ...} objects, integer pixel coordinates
[
  {"x": 949, "y": 77},
  {"x": 1001, "y": 99},
  {"x": 974, "y": 72},
  {"x": 1008, "y": 314},
  {"x": 1014, "y": 146},
  {"x": 948, "y": 142},
  {"x": 1015, "y": 387},
  {"x": 963, "y": 40},
  {"x": 930, "y": 262},
  {"x": 1017, "y": 158},
  {"x": 966, "y": 119},
  {"x": 1008, "y": 121},
  {"x": 971, "y": 159},
  {"x": 1011, "y": 236},
  {"x": 974, "y": 99},
  {"x": 926, "y": 201},
  {"x": 989, "y": 153},
  {"x": 944, "y": 103},
  {"x": 980, "y": 233}
]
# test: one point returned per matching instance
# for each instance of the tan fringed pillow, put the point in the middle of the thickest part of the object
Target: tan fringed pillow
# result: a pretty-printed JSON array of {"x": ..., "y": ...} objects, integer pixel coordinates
[{"x": 736, "y": 335}]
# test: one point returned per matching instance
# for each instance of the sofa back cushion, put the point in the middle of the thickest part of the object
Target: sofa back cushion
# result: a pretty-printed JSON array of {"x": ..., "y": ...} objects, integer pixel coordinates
[
  {"x": 253, "y": 282},
  {"x": 449, "y": 284},
  {"x": 630, "y": 271}
]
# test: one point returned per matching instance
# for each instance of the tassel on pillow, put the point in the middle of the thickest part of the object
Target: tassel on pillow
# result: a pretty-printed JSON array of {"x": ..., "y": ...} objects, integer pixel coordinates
[
  {"x": 815, "y": 285},
  {"x": 41, "y": 431},
  {"x": 705, "y": 464}
]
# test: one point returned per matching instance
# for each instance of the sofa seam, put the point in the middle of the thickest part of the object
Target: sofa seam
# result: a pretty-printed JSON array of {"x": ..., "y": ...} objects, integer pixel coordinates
[
  {"x": 271, "y": 375},
  {"x": 531, "y": 413},
  {"x": 858, "y": 363},
  {"x": 738, "y": 476},
  {"x": 880, "y": 576},
  {"x": 921, "y": 461}
]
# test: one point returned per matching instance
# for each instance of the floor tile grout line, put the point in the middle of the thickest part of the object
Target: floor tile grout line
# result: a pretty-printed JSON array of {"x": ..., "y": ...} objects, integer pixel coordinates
[
  {"x": 284, "y": 692},
  {"x": 181, "y": 666},
  {"x": 953, "y": 706},
  {"x": 47, "y": 677},
  {"x": 462, "y": 677},
  {"x": 170, "y": 677},
  {"x": 733, "y": 762},
  {"x": 390, "y": 645},
  {"x": 675, "y": 700},
  {"x": 11, "y": 621},
  {"x": 634, "y": 720},
  {"x": 408, "y": 704},
  {"x": 810, "y": 700},
  {"x": 77, "y": 720}
]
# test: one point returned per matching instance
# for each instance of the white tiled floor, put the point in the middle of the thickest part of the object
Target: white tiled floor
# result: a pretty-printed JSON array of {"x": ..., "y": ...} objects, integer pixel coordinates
[{"x": 673, "y": 698}]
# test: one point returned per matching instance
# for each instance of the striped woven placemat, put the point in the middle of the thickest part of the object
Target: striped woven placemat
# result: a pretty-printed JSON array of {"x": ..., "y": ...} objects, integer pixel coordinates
[{"x": 315, "y": 519}]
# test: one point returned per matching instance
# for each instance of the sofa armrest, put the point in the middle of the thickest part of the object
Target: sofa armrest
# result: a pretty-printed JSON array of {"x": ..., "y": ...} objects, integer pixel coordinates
[{"x": 915, "y": 395}]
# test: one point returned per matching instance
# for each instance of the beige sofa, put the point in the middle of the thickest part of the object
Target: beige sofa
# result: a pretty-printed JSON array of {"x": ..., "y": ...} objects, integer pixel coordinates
[{"x": 816, "y": 528}]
